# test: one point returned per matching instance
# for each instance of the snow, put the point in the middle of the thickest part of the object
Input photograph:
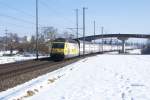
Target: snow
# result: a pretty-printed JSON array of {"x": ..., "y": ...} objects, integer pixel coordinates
[
  {"x": 135, "y": 51},
  {"x": 10, "y": 59},
  {"x": 132, "y": 52},
  {"x": 16, "y": 57},
  {"x": 102, "y": 77},
  {"x": 7, "y": 52}
]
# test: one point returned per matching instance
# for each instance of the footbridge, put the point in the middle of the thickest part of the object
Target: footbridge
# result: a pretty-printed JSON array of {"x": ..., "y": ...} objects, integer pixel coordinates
[{"x": 122, "y": 37}]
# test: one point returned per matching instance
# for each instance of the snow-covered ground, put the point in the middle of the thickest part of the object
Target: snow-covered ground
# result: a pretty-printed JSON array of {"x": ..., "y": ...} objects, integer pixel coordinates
[
  {"x": 16, "y": 57},
  {"x": 7, "y": 52},
  {"x": 28, "y": 56},
  {"x": 6, "y": 59},
  {"x": 102, "y": 77},
  {"x": 136, "y": 51},
  {"x": 132, "y": 52}
]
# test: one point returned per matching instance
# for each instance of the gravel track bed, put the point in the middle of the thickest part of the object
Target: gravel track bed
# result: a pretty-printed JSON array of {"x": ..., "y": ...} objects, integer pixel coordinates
[{"x": 15, "y": 74}]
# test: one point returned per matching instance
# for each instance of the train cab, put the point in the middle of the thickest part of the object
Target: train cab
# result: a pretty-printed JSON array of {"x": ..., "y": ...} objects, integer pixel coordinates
[{"x": 64, "y": 48}]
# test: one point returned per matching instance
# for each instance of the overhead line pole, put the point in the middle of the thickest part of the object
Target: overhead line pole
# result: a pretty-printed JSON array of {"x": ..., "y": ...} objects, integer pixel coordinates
[
  {"x": 6, "y": 39},
  {"x": 84, "y": 30},
  {"x": 94, "y": 35},
  {"x": 77, "y": 21},
  {"x": 102, "y": 30},
  {"x": 37, "y": 54},
  {"x": 94, "y": 31}
]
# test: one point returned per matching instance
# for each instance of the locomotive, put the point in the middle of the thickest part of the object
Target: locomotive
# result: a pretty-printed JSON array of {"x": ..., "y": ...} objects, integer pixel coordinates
[{"x": 67, "y": 48}]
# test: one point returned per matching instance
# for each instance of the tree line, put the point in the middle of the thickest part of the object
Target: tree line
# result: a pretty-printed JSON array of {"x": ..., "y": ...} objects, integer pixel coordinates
[{"x": 12, "y": 41}]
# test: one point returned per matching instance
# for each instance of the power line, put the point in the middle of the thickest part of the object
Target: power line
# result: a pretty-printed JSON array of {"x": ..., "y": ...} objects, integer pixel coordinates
[
  {"x": 50, "y": 7},
  {"x": 18, "y": 19},
  {"x": 16, "y": 25},
  {"x": 18, "y": 10}
]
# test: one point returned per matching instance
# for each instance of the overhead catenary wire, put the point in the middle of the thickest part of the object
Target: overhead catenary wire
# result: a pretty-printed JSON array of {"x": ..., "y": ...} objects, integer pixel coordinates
[
  {"x": 20, "y": 34},
  {"x": 18, "y": 10},
  {"x": 27, "y": 14},
  {"x": 19, "y": 19},
  {"x": 42, "y": 2},
  {"x": 15, "y": 18},
  {"x": 23, "y": 12},
  {"x": 17, "y": 25},
  {"x": 6, "y": 16}
]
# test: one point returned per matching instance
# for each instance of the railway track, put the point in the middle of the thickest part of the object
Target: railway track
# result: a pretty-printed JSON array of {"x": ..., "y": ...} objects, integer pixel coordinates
[
  {"x": 17, "y": 73},
  {"x": 20, "y": 72}
]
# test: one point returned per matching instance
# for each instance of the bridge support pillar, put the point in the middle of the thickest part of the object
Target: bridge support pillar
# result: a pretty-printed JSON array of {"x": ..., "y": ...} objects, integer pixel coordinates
[
  {"x": 123, "y": 46},
  {"x": 123, "y": 39}
]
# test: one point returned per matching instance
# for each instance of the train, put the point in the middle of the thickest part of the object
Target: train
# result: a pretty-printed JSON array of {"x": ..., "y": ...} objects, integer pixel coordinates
[{"x": 62, "y": 48}]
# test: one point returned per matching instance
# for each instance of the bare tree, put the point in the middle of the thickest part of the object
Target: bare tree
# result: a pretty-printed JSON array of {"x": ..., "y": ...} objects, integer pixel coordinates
[
  {"x": 49, "y": 32},
  {"x": 24, "y": 39},
  {"x": 67, "y": 35}
]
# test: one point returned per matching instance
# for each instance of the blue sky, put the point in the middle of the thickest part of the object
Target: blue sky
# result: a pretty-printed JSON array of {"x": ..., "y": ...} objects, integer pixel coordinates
[{"x": 117, "y": 16}]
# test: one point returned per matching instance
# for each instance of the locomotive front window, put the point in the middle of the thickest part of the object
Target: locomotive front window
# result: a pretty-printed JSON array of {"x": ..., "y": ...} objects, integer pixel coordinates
[{"x": 58, "y": 45}]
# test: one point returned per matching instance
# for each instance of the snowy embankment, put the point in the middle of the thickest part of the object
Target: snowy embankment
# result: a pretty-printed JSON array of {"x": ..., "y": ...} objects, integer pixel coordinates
[
  {"x": 7, "y": 52},
  {"x": 16, "y": 57},
  {"x": 103, "y": 77}
]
